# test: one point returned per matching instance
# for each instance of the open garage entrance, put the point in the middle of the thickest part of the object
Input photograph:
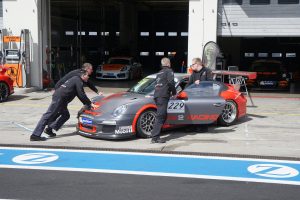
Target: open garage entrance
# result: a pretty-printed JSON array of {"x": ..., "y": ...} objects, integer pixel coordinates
[
  {"x": 245, "y": 51},
  {"x": 92, "y": 31}
]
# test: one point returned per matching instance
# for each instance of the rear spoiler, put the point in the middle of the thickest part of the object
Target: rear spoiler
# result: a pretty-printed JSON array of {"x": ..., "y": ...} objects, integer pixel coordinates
[{"x": 249, "y": 75}]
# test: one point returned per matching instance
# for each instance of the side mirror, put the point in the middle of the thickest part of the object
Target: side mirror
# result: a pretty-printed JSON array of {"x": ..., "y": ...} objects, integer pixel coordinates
[{"x": 182, "y": 95}]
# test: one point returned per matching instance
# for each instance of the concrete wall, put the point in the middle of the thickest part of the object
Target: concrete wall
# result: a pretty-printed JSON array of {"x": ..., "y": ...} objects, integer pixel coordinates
[
  {"x": 259, "y": 20},
  {"x": 28, "y": 14},
  {"x": 202, "y": 26}
]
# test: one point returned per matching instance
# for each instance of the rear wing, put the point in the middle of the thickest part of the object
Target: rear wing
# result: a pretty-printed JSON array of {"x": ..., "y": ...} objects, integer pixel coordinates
[{"x": 249, "y": 75}]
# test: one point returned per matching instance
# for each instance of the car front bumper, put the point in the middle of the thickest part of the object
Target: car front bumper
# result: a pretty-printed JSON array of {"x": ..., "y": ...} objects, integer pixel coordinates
[
  {"x": 110, "y": 75},
  {"x": 105, "y": 129}
]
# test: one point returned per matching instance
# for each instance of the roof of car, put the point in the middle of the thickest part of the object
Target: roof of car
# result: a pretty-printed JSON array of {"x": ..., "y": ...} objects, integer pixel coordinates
[{"x": 176, "y": 75}]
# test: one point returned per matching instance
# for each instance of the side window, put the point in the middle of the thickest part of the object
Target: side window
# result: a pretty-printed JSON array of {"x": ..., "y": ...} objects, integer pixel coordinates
[
  {"x": 204, "y": 89},
  {"x": 181, "y": 85}
]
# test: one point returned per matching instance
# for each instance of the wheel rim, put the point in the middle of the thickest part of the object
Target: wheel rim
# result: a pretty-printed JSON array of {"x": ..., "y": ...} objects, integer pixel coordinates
[
  {"x": 230, "y": 112},
  {"x": 3, "y": 91},
  {"x": 147, "y": 122}
]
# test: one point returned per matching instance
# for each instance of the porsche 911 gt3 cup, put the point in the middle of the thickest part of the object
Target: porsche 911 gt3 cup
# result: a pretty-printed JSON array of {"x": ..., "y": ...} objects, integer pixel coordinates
[
  {"x": 120, "y": 68},
  {"x": 133, "y": 113}
]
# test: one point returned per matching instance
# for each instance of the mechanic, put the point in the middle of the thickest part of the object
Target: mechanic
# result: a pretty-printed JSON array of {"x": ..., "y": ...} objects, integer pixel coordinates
[
  {"x": 87, "y": 67},
  {"x": 200, "y": 73},
  {"x": 60, "y": 100},
  {"x": 165, "y": 86}
]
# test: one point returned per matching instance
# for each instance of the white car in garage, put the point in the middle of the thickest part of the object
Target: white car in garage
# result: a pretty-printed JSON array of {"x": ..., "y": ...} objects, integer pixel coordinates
[{"x": 120, "y": 68}]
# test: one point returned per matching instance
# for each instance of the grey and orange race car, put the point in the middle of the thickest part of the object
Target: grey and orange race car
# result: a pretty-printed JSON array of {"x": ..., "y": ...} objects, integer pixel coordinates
[{"x": 132, "y": 113}]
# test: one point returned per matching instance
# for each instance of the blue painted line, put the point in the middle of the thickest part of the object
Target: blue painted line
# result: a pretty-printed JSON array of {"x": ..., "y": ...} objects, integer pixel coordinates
[{"x": 257, "y": 170}]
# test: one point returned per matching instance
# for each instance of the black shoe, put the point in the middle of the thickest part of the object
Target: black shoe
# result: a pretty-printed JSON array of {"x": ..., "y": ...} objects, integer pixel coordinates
[
  {"x": 37, "y": 138},
  {"x": 157, "y": 140},
  {"x": 49, "y": 132}
]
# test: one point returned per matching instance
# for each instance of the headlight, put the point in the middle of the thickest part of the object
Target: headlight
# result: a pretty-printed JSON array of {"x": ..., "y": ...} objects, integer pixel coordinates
[
  {"x": 125, "y": 68},
  {"x": 119, "y": 110}
]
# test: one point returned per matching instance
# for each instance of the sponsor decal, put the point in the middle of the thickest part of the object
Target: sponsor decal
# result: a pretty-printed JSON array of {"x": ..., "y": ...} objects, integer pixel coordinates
[
  {"x": 273, "y": 171},
  {"x": 86, "y": 121},
  {"x": 35, "y": 158},
  {"x": 267, "y": 83},
  {"x": 123, "y": 129},
  {"x": 176, "y": 106},
  {"x": 203, "y": 117}
]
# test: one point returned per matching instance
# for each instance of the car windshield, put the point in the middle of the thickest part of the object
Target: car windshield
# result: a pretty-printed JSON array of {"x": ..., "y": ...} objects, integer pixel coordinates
[
  {"x": 204, "y": 89},
  {"x": 118, "y": 61},
  {"x": 266, "y": 67},
  {"x": 145, "y": 86}
]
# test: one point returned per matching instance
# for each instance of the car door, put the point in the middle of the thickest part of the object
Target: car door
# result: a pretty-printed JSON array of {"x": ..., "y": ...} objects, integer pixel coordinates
[{"x": 200, "y": 104}]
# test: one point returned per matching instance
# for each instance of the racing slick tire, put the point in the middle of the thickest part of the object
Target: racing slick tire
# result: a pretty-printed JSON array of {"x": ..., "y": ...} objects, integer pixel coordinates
[
  {"x": 145, "y": 123},
  {"x": 229, "y": 114},
  {"x": 4, "y": 91}
]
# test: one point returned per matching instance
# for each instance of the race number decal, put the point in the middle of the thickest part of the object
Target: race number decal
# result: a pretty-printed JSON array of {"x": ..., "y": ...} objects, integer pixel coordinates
[{"x": 176, "y": 106}]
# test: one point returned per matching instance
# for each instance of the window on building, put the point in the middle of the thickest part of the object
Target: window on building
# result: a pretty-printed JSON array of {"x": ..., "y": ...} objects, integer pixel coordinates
[
  {"x": 172, "y": 34},
  {"x": 160, "y": 33},
  {"x": 69, "y": 33},
  {"x": 92, "y": 33},
  {"x": 159, "y": 53},
  {"x": 262, "y": 55},
  {"x": 288, "y": 1},
  {"x": 144, "y": 53},
  {"x": 184, "y": 34},
  {"x": 276, "y": 55},
  {"x": 249, "y": 55},
  {"x": 232, "y": 2},
  {"x": 290, "y": 55},
  {"x": 144, "y": 33},
  {"x": 259, "y": 2}
]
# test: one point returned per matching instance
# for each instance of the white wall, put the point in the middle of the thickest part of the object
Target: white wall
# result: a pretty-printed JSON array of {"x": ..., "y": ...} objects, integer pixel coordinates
[
  {"x": 259, "y": 20},
  {"x": 25, "y": 14},
  {"x": 202, "y": 26}
]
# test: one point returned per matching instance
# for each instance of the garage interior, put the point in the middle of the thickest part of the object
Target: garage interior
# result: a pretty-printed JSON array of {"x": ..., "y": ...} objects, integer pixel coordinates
[{"x": 92, "y": 31}]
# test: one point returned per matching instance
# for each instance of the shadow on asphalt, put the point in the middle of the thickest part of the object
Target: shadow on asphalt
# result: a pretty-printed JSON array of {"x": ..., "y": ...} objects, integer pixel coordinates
[
  {"x": 16, "y": 97},
  {"x": 63, "y": 135},
  {"x": 184, "y": 131}
]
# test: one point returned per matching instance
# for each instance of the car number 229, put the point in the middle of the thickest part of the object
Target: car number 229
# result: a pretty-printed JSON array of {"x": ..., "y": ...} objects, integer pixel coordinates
[{"x": 176, "y": 106}]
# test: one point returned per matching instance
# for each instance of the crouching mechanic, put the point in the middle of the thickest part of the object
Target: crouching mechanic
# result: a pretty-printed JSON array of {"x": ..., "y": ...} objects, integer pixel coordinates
[
  {"x": 60, "y": 100},
  {"x": 85, "y": 67}
]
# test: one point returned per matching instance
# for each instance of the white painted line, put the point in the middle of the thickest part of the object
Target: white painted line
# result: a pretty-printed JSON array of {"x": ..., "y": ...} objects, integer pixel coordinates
[
  {"x": 22, "y": 126},
  {"x": 152, "y": 174},
  {"x": 153, "y": 154}
]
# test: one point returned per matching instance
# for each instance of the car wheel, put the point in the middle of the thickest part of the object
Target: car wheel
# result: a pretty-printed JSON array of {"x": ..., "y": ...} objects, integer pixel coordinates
[
  {"x": 145, "y": 123},
  {"x": 229, "y": 114},
  {"x": 4, "y": 91}
]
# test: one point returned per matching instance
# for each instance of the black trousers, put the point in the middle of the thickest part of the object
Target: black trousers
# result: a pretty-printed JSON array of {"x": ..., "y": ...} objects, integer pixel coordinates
[
  {"x": 161, "y": 115},
  {"x": 57, "y": 106}
]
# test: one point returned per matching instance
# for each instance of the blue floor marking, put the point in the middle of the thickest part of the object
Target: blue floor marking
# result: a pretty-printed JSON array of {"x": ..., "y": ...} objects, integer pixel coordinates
[{"x": 149, "y": 163}]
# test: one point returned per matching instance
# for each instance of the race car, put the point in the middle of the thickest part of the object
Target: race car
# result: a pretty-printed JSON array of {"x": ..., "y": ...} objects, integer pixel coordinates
[
  {"x": 120, "y": 68},
  {"x": 271, "y": 74},
  {"x": 132, "y": 113},
  {"x": 6, "y": 85}
]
